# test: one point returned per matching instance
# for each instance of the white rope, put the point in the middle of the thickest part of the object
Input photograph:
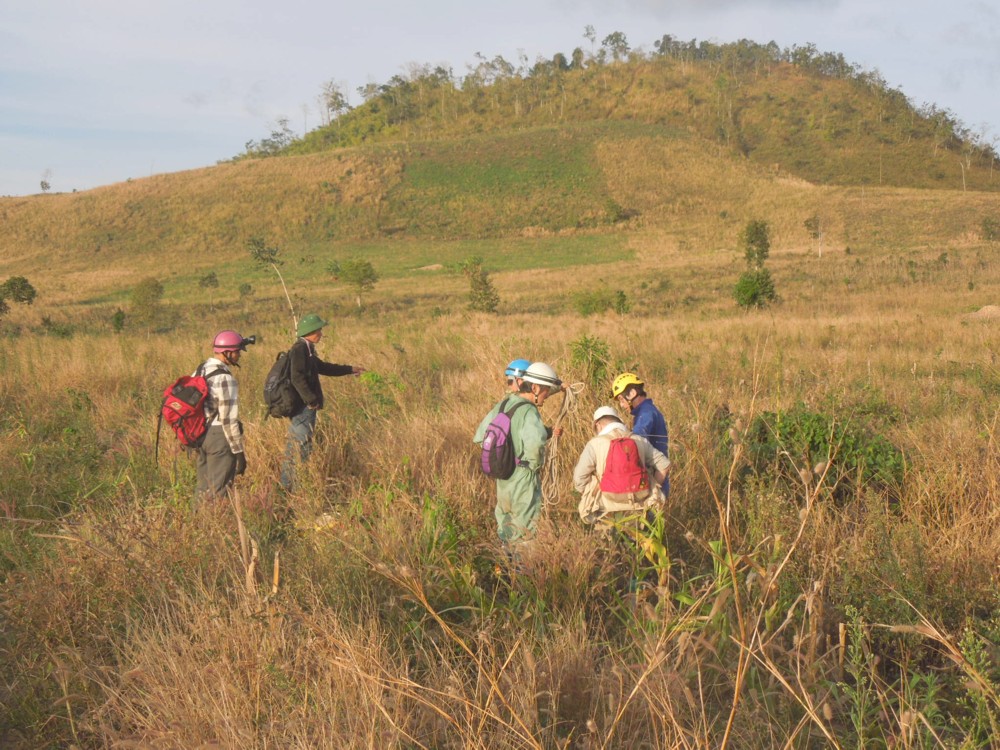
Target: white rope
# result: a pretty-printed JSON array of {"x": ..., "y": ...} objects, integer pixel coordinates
[{"x": 550, "y": 470}]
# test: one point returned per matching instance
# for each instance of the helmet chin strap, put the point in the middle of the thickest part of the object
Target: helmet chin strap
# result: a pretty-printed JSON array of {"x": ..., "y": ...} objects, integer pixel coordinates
[{"x": 230, "y": 362}]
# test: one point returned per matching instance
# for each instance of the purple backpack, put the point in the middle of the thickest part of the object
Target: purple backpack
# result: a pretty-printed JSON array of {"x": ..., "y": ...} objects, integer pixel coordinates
[{"x": 498, "y": 459}]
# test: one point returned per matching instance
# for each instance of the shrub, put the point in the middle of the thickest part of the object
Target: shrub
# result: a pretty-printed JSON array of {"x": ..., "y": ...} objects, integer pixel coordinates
[
  {"x": 144, "y": 302},
  {"x": 483, "y": 296},
  {"x": 798, "y": 440},
  {"x": 602, "y": 300},
  {"x": 755, "y": 289},
  {"x": 990, "y": 229},
  {"x": 592, "y": 355}
]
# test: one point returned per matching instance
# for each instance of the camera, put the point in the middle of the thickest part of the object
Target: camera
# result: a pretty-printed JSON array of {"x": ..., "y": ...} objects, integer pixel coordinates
[{"x": 248, "y": 341}]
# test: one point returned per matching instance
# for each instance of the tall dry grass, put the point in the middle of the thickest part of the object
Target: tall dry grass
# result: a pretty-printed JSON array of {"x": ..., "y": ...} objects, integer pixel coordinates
[{"x": 373, "y": 607}]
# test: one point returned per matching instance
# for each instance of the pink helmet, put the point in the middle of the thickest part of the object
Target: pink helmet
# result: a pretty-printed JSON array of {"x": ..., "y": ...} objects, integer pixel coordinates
[{"x": 228, "y": 341}]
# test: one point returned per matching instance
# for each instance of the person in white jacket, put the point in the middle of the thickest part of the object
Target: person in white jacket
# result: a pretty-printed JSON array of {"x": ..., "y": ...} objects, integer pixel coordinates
[{"x": 603, "y": 494}]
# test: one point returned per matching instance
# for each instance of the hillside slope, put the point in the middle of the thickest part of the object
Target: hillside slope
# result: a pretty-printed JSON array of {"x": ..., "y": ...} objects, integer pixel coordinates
[{"x": 809, "y": 114}]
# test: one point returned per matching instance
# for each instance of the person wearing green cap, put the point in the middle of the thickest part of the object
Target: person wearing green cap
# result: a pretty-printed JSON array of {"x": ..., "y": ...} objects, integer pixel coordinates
[{"x": 306, "y": 367}]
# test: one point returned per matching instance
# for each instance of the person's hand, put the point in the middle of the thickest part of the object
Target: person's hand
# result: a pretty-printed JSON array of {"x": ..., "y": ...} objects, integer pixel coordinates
[
  {"x": 557, "y": 431},
  {"x": 357, "y": 370},
  {"x": 241, "y": 464}
]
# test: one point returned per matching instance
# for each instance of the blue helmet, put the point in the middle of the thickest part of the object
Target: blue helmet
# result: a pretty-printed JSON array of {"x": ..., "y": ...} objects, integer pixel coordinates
[{"x": 516, "y": 368}]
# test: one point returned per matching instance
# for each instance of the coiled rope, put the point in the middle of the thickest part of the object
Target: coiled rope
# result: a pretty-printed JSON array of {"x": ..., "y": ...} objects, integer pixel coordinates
[{"x": 550, "y": 470}]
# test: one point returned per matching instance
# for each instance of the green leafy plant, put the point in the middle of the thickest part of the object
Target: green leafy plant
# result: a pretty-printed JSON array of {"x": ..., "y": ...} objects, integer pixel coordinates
[
  {"x": 755, "y": 289},
  {"x": 600, "y": 300},
  {"x": 592, "y": 355},
  {"x": 118, "y": 320},
  {"x": 801, "y": 440},
  {"x": 860, "y": 690},
  {"x": 483, "y": 296}
]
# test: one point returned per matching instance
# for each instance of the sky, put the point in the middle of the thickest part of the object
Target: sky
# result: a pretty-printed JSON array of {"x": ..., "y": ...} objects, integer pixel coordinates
[{"x": 101, "y": 91}]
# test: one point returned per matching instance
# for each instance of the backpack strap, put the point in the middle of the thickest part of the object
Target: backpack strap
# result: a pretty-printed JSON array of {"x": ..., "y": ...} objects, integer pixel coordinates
[
  {"x": 520, "y": 402},
  {"x": 207, "y": 375}
]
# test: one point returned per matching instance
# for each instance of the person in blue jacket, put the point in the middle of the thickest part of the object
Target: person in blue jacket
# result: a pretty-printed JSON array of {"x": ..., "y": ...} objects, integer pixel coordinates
[{"x": 647, "y": 420}]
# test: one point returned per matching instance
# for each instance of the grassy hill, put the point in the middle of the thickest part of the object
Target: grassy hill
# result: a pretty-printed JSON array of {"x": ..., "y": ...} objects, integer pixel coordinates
[{"x": 809, "y": 114}]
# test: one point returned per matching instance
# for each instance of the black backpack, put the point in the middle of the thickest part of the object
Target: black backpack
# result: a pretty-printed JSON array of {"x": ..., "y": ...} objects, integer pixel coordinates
[{"x": 280, "y": 395}]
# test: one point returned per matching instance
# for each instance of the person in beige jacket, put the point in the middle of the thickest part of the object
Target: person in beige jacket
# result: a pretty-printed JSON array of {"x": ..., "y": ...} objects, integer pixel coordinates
[{"x": 596, "y": 504}]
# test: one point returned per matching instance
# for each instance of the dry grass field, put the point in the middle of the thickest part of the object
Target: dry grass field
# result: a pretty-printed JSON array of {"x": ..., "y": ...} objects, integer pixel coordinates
[{"x": 779, "y": 602}]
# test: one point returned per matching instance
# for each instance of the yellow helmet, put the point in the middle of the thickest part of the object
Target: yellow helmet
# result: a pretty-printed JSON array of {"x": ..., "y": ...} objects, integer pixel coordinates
[{"x": 623, "y": 381}]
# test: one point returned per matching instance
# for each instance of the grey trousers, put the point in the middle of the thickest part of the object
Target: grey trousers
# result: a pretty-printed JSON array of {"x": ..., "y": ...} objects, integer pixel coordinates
[{"x": 216, "y": 464}]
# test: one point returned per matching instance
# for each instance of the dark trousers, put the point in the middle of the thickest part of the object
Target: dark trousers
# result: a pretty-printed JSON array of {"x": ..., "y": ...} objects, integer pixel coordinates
[{"x": 216, "y": 464}]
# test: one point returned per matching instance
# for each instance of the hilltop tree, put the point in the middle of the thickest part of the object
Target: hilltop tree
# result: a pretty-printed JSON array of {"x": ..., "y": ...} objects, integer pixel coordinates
[
  {"x": 16, "y": 289},
  {"x": 359, "y": 273},
  {"x": 281, "y": 137},
  {"x": 333, "y": 102},
  {"x": 617, "y": 45}
]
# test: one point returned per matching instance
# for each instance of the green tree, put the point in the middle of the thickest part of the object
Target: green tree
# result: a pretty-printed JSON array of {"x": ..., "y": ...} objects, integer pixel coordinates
[
  {"x": 16, "y": 289},
  {"x": 755, "y": 240},
  {"x": 359, "y": 273},
  {"x": 265, "y": 255},
  {"x": 333, "y": 102},
  {"x": 144, "y": 302},
  {"x": 483, "y": 296},
  {"x": 209, "y": 282},
  {"x": 755, "y": 287},
  {"x": 281, "y": 138},
  {"x": 617, "y": 45}
]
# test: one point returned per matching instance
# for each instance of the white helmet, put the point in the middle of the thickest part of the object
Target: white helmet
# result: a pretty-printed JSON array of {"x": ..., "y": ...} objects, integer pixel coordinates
[
  {"x": 606, "y": 411},
  {"x": 542, "y": 374}
]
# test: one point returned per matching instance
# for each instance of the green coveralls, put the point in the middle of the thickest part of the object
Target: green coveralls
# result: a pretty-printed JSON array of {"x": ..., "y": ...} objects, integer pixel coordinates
[{"x": 519, "y": 499}]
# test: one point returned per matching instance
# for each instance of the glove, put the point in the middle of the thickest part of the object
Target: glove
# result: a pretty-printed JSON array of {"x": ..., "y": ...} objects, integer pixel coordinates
[{"x": 241, "y": 463}]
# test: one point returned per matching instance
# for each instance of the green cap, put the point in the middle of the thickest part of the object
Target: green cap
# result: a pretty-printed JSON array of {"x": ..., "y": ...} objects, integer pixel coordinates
[{"x": 309, "y": 324}]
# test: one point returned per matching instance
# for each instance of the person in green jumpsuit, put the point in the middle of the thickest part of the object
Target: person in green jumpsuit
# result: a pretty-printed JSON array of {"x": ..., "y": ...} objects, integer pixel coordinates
[{"x": 519, "y": 498}]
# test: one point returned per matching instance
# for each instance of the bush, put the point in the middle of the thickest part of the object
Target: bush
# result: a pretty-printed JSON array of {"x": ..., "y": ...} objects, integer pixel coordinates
[
  {"x": 800, "y": 440},
  {"x": 602, "y": 300},
  {"x": 990, "y": 229},
  {"x": 592, "y": 355},
  {"x": 144, "y": 303},
  {"x": 755, "y": 289},
  {"x": 483, "y": 296}
]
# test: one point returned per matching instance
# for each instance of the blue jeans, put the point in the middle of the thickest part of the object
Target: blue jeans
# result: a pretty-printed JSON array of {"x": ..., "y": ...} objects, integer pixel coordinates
[{"x": 299, "y": 444}]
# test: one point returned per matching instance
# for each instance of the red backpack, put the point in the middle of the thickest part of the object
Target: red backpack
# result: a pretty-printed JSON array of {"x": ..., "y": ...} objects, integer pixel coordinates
[
  {"x": 183, "y": 409},
  {"x": 625, "y": 479}
]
